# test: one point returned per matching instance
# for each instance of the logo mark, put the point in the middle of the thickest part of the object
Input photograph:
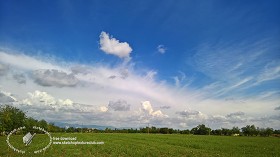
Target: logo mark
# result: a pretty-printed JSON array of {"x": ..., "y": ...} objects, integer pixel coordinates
[{"x": 27, "y": 139}]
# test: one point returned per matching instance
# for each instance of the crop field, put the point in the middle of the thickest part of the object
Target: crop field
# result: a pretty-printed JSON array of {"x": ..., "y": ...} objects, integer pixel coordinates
[{"x": 143, "y": 145}]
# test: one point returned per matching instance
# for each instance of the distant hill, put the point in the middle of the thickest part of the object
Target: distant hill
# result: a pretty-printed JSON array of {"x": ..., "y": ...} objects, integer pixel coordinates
[{"x": 99, "y": 127}]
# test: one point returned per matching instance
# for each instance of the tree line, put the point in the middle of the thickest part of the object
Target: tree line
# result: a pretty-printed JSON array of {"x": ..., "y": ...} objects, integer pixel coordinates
[{"x": 12, "y": 118}]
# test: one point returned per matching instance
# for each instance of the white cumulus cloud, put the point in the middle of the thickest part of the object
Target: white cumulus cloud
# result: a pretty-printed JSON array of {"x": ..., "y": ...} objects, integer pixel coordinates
[
  {"x": 147, "y": 106},
  {"x": 111, "y": 45}
]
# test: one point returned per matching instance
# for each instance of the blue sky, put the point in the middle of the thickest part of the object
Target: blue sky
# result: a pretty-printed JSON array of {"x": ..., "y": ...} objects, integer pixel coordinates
[{"x": 192, "y": 61}]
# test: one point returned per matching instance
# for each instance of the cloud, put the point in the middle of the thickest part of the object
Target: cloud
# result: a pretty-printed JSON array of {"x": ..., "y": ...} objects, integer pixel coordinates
[
  {"x": 110, "y": 45},
  {"x": 42, "y": 105},
  {"x": 236, "y": 117},
  {"x": 188, "y": 113},
  {"x": 78, "y": 69},
  {"x": 236, "y": 68},
  {"x": 44, "y": 101},
  {"x": 151, "y": 74},
  {"x": 165, "y": 107},
  {"x": 120, "y": 105},
  {"x": 20, "y": 78},
  {"x": 3, "y": 69},
  {"x": 147, "y": 107},
  {"x": 52, "y": 77},
  {"x": 181, "y": 81},
  {"x": 277, "y": 108},
  {"x": 161, "y": 49},
  {"x": 227, "y": 61},
  {"x": 6, "y": 97},
  {"x": 133, "y": 85},
  {"x": 236, "y": 114},
  {"x": 39, "y": 97},
  {"x": 124, "y": 73},
  {"x": 19, "y": 61},
  {"x": 112, "y": 77},
  {"x": 103, "y": 108},
  {"x": 270, "y": 72},
  {"x": 148, "y": 115}
]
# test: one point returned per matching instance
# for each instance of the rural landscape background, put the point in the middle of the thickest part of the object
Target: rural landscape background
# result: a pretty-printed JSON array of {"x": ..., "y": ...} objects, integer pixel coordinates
[
  {"x": 140, "y": 78},
  {"x": 148, "y": 141}
]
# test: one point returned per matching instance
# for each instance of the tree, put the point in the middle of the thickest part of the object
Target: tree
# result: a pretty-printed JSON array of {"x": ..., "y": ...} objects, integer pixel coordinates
[
  {"x": 226, "y": 132},
  {"x": 235, "y": 130},
  {"x": 216, "y": 132},
  {"x": 185, "y": 131},
  {"x": 265, "y": 132},
  {"x": 249, "y": 130},
  {"x": 30, "y": 122},
  {"x": 108, "y": 130},
  {"x": 201, "y": 130},
  {"x": 11, "y": 118},
  {"x": 164, "y": 130},
  {"x": 276, "y": 132},
  {"x": 53, "y": 128},
  {"x": 43, "y": 124},
  {"x": 70, "y": 129}
]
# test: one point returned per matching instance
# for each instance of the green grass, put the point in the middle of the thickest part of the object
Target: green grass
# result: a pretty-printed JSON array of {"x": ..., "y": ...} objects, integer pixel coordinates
[{"x": 149, "y": 145}]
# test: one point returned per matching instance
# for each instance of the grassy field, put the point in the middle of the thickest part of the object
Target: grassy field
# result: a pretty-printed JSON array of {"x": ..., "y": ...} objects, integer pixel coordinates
[{"x": 147, "y": 145}]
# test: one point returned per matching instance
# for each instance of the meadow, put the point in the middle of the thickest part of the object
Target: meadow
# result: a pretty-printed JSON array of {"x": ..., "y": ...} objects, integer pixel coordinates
[{"x": 146, "y": 145}]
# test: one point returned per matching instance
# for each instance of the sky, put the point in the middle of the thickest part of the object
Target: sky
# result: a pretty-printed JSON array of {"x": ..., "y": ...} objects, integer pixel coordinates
[{"x": 137, "y": 63}]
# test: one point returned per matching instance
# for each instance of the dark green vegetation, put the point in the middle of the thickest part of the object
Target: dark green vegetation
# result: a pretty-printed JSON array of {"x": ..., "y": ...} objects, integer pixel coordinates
[{"x": 151, "y": 145}]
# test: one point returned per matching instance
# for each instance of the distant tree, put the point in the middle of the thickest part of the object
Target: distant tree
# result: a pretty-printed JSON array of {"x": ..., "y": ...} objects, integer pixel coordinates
[
  {"x": 201, "y": 130},
  {"x": 235, "y": 130},
  {"x": 276, "y": 132},
  {"x": 216, "y": 132},
  {"x": 108, "y": 130},
  {"x": 249, "y": 130},
  {"x": 164, "y": 130},
  {"x": 153, "y": 130},
  {"x": 269, "y": 131},
  {"x": 170, "y": 131},
  {"x": 265, "y": 132},
  {"x": 226, "y": 132},
  {"x": 53, "y": 128},
  {"x": 185, "y": 131},
  {"x": 131, "y": 130},
  {"x": 70, "y": 130}
]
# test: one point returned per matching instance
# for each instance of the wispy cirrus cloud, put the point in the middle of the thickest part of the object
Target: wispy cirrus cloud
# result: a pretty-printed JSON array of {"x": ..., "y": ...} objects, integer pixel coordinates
[
  {"x": 271, "y": 71},
  {"x": 26, "y": 62},
  {"x": 182, "y": 81},
  {"x": 237, "y": 68}
]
